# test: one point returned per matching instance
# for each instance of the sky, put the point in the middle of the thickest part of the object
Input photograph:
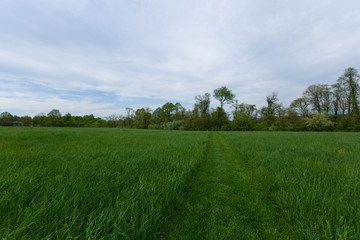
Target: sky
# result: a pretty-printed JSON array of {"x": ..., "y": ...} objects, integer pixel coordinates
[{"x": 101, "y": 56}]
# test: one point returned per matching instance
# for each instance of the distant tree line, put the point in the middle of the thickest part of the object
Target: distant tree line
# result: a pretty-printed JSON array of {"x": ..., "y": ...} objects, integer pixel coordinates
[{"x": 321, "y": 107}]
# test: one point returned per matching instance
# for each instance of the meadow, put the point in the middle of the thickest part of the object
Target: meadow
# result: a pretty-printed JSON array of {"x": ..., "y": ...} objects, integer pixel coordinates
[{"x": 84, "y": 183}]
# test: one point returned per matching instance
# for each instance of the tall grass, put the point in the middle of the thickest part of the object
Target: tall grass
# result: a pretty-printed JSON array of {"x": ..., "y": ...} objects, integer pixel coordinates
[
  {"x": 313, "y": 179},
  {"x": 60, "y": 183},
  {"x": 92, "y": 183}
]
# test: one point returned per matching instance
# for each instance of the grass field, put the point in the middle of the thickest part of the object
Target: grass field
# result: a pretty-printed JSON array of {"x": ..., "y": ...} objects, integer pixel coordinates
[{"x": 69, "y": 183}]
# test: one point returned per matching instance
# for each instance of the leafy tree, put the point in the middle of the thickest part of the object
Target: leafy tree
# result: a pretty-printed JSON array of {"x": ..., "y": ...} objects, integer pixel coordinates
[
  {"x": 219, "y": 119},
  {"x": 300, "y": 107},
  {"x": 89, "y": 119},
  {"x": 128, "y": 121},
  {"x": 224, "y": 95},
  {"x": 98, "y": 122},
  {"x": 203, "y": 104},
  {"x": 53, "y": 118},
  {"x": 113, "y": 120},
  {"x": 6, "y": 119},
  {"x": 167, "y": 111},
  {"x": 268, "y": 113},
  {"x": 244, "y": 109},
  {"x": 294, "y": 122},
  {"x": 339, "y": 99},
  {"x": 349, "y": 82},
  {"x": 179, "y": 112},
  {"x": 142, "y": 117},
  {"x": 25, "y": 120},
  {"x": 272, "y": 104},
  {"x": 243, "y": 123},
  {"x": 39, "y": 119},
  {"x": 69, "y": 121},
  {"x": 319, "y": 122},
  {"x": 5, "y": 115},
  {"x": 156, "y": 116},
  {"x": 55, "y": 113},
  {"x": 319, "y": 96}
]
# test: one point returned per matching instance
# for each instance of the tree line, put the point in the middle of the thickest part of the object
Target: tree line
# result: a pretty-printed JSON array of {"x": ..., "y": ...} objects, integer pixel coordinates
[{"x": 321, "y": 107}]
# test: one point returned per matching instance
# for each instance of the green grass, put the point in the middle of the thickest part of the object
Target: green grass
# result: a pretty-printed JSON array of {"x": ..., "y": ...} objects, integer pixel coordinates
[
  {"x": 224, "y": 201},
  {"x": 92, "y": 183},
  {"x": 69, "y": 183},
  {"x": 313, "y": 180}
]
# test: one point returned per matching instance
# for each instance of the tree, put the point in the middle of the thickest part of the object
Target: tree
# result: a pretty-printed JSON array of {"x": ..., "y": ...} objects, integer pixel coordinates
[
  {"x": 6, "y": 119},
  {"x": 203, "y": 104},
  {"x": 55, "y": 113},
  {"x": 156, "y": 116},
  {"x": 242, "y": 123},
  {"x": 168, "y": 110},
  {"x": 319, "y": 122},
  {"x": 128, "y": 121},
  {"x": 268, "y": 113},
  {"x": 142, "y": 117},
  {"x": 349, "y": 82},
  {"x": 88, "y": 120},
  {"x": 113, "y": 119},
  {"x": 54, "y": 118},
  {"x": 244, "y": 109},
  {"x": 5, "y": 115},
  {"x": 339, "y": 99},
  {"x": 69, "y": 121},
  {"x": 300, "y": 107},
  {"x": 179, "y": 112},
  {"x": 272, "y": 104},
  {"x": 224, "y": 95},
  {"x": 319, "y": 97},
  {"x": 219, "y": 119}
]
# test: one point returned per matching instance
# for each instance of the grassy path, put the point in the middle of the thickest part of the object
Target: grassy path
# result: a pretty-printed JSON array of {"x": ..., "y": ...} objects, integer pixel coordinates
[{"x": 225, "y": 201}]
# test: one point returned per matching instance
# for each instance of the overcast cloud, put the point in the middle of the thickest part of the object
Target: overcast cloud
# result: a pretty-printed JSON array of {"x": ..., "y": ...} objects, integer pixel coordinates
[{"x": 101, "y": 56}]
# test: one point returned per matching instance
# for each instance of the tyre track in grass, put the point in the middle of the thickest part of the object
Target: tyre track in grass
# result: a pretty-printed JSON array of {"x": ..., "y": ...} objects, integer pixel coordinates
[{"x": 224, "y": 201}]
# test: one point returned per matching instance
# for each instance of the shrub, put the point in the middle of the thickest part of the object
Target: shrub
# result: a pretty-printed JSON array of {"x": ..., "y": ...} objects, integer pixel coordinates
[{"x": 319, "y": 122}]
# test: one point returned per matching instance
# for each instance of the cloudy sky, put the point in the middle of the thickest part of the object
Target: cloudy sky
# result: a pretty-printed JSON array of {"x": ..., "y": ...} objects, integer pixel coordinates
[{"x": 101, "y": 56}]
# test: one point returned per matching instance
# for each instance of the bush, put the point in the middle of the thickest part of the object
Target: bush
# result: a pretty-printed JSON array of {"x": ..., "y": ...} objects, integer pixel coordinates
[
  {"x": 319, "y": 122},
  {"x": 154, "y": 126},
  {"x": 174, "y": 125}
]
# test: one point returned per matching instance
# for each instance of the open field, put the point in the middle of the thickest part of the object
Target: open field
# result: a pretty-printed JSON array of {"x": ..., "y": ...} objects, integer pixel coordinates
[
  {"x": 89, "y": 183},
  {"x": 62, "y": 183}
]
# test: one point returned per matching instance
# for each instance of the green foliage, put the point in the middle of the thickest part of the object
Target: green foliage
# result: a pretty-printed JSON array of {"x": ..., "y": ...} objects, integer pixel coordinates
[
  {"x": 167, "y": 111},
  {"x": 340, "y": 102},
  {"x": 242, "y": 123},
  {"x": 219, "y": 118},
  {"x": 224, "y": 95},
  {"x": 300, "y": 107},
  {"x": 142, "y": 118},
  {"x": 318, "y": 96},
  {"x": 202, "y": 105},
  {"x": 174, "y": 125},
  {"x": 5, "y": 115},
  {"x": 55, "y": 113},
  {"x": 6, "y": 119},
  {"x": 319, "y": 122},
  {"x": 350, "y": 83}
]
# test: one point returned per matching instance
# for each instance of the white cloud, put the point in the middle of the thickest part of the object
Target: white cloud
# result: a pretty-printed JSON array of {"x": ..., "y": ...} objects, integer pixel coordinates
[{"x": 170, "y": 50}]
